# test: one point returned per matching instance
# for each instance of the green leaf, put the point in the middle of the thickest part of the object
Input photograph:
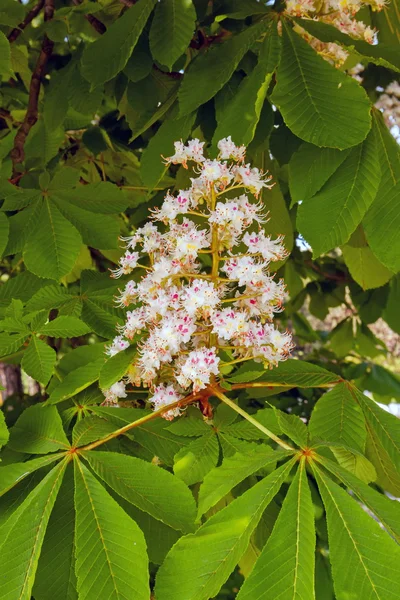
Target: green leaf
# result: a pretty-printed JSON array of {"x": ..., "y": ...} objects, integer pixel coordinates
[
  {"x": 116, "y": 366},
  {"x": 355, "y": 462},
  {"x": 391, "y": 313},
  {"x": 247, "y": 372},
  {"x": 152, "y": 167},
  {"x": 385, "y": 426},
  {"x": 364, "y": 558},
  {"x": 338, "y": 418},
  {"x": 64, "y": 327},
  {"x": 76, "y": 381},
  {"x": 38, "y": 430},
  {"x": 208, "y": 556},
  {"x": 55, "y": 578},
  {"x": 364, "y": 267},
  {"x": 299, "y": 373},
  {"x": 57, "y": 96},
  {"x": 4, "y": 433},
  {"x": 341, "y": 339},
  {"x": 249, "y": 99},
  {"x": 310, "y": 168},
  {"x": 293, "y": 427},
  {"x": 111, "y": 558},
  {"x": 210, "y": 71},
  {"x": 4, "y": 231},
  {"x": 22, "y": 544},
  {"x": 189, "y": 427},
  {"x": 11, "y": 14},
  {"x": 380, "y": 54},
  {"x": 335, "y": 114},
  {"x": 5, "y": 57},
  {"x": 382, "y": 221},
  {"x": 147, "y": 486},
  {"x": 38, "y": 360},
  {"x": 104, "y": 58},
  {"x": 178, "y": 18},
  {"x": 53, "y": 245},
  {"x": 285, "y": 568},
  {"x": 387, "y": 476},
  {"x": 97, "y": 230},
  {"x": 195, "y": 460},
  {"x": 330, "y": 217},
  {"x": 90, "y": 429},
  {"x": 154, "y": 435},
  {"x": 12, "y": 474},
  {"x": 386, "y": 510},
  {"x": 221, "y": 480}
]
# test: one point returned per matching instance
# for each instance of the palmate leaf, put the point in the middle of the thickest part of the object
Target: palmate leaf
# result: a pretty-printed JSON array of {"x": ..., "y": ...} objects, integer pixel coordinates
[
  {"x": 4, "y": 434},
  {"x": 338, "y": 418},
  {"x": 364, "y": 558},
  {"x": 53, "y": 244},
  {"x": 55, "y": 578},
  {"x": 364, "y": 267},
  {"x": 234, "y": 469},
  {"x": 384, "y": 425},
  {"x": 285, "y": 568},
  {"x": 116, "y": 366},
  {"x": 111, "y": 558},
  {"x": 154, "y": 435},
  {"x": 90, "y": 429},
  {"x": 76, "y": 381},
  {"x": 335, "y": 114},
  {"x": 391, "y": 314},
  {"x": 178, "y": 18},
  {"x": 310, "y": 168},
  {"x": 38, "y": 360},
  {"x": 386, "y": 510},
  {"x": 108, "y": 55},
  {"x": 249, "y": 99},
  {"x": 4, "y": 231},
  {"x": 294, "y": 373},
  {"x": 38, "y": 430},
  {"x": 330, "y": 217},
  {"x": 63, "y": 327},
  {"x": 12, "y": 474},
  {"x": 381, "y": 223},
  {"x": 5, "y": 60},
  {"x": 208, "y": 556},
  {"x": 22, "y": 543},
  {"x": 210, "y": 71},
  {"x": 196, "y": 459},
  {"x": 147, "y": 486}
]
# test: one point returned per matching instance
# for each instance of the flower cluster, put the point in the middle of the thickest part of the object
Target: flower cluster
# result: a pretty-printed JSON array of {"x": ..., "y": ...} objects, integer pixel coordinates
[
  {"x": 205, "y": 292},
  {"x": 339, "y": 13},
  {"x": 389, "y": 104}
]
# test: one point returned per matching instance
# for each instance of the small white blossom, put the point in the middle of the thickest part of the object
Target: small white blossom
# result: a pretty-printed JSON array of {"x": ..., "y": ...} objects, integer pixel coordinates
[
  {"x": 229, "y": 150},
  {"x": 198, "y": 368},
  {"x": 118, "y": 345}
]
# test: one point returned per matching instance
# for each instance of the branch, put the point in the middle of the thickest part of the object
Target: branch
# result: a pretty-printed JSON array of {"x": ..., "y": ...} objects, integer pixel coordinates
[
  {"x": 218, "y": 393},
  {"x": 15, "y": 33},
  {"x": 31, "y": 115},
  {"x": 95, "y": 23},
  {"x": 158, "y": 413}
]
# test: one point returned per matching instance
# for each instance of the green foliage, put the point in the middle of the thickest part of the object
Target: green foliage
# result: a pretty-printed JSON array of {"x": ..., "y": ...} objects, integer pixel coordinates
[{"x": 285, "y": 483}]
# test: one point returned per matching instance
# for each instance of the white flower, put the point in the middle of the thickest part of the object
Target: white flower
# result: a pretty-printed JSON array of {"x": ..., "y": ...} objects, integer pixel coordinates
[
  {"x": 200, "y": 296},
  {"x": 229, "y": 324},
  {"x": 118, "y": 345},
  {"x": 259, "y": 243},
  {"x": 251, "y": 178},
  {"x": 163, "y": 395},
  {"x": 198, "y": 368},
  {"x": 117, "y": 390},
  {"x": 228, "y": 150},
  {"x": 176, "y": 308},
  {"x": 128, "y": 262}
]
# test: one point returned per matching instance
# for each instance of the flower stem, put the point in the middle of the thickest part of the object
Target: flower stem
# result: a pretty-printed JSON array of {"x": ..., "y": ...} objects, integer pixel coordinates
[
  {"x": 150, "y": 417},
  {"x": 249, "y": 418}
]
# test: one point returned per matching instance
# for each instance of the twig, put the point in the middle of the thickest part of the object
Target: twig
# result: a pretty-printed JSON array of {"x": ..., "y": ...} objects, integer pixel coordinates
[
  {"x": 94, "y": 21},
  {"x": 218, "y": 393},
  {"x": 31, "y": 115},
  {"x": 16, "y": 32}
]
